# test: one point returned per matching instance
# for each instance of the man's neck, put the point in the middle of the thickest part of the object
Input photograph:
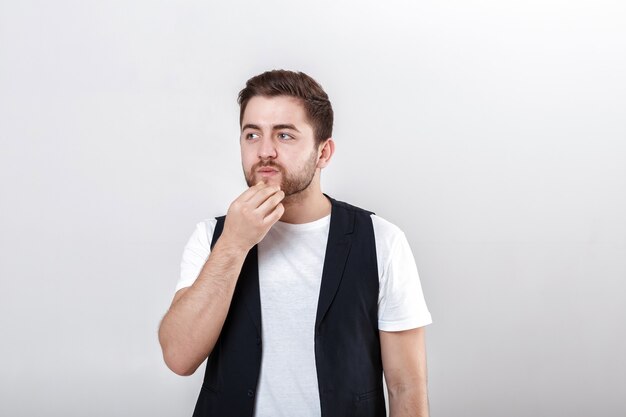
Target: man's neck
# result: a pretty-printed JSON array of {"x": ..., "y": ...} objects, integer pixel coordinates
[{"x": 306, "y": 206}]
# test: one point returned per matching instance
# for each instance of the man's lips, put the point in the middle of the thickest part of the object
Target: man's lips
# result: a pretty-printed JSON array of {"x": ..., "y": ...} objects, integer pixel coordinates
[{"x": 267, "y": 172}]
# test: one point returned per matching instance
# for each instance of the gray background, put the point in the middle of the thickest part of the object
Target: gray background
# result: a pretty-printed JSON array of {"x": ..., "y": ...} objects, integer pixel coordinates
[{"x": 492, "y": 132}]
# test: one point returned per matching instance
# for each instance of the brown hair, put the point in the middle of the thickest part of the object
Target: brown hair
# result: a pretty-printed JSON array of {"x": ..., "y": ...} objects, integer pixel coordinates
[{"x": 295, "y": 84}]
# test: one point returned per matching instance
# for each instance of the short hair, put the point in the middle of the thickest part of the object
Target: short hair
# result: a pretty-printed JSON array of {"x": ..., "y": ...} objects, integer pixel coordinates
[{"x": 295, "y": 84}]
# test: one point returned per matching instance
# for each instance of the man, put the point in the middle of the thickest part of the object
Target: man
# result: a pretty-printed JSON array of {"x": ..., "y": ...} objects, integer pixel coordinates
[{"x": 298, "y": 300}]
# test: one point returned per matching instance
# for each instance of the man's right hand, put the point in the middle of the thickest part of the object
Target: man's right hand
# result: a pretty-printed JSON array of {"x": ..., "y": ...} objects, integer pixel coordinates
[{"x": 252, "y": 214}]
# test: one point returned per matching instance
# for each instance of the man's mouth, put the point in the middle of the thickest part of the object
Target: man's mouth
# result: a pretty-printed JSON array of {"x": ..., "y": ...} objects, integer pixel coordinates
[{"x": 267, "y": 171}]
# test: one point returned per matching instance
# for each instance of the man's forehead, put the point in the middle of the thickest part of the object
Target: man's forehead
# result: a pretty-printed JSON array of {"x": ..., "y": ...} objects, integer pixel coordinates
[{"x": 262, "y": 110}]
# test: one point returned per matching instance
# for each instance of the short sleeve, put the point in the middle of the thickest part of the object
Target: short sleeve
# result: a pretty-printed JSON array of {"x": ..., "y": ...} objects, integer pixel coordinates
[
  {"x": 195, "y": 253},
  {"x": 401, "y": 303}
]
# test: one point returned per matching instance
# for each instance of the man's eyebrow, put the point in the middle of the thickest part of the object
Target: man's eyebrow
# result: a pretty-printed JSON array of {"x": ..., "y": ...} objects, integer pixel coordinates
[
  {"x": 286, "y": 126},
  {"x": 275, "y": 127}
]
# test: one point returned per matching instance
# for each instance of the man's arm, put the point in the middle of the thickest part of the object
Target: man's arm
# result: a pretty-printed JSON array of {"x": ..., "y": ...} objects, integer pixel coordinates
[
  {"x": 191, "y": 327},
  {"x": 404, "y": 365}
]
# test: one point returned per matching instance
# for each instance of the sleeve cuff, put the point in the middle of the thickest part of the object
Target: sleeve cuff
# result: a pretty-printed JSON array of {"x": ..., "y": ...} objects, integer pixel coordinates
[{"x": 397, "y": 326}]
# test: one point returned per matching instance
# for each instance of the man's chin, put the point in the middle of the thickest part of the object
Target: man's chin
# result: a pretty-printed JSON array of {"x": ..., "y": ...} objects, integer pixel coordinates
[{"x": 273, "y": 180}]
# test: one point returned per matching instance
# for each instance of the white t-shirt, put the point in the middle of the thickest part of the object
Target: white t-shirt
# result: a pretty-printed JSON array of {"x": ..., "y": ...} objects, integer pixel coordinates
[{"x": 290, "y": 261}]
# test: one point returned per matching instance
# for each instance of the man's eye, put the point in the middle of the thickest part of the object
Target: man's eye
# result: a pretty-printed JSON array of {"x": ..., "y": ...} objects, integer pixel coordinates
[
  {"x": 285, "y": 136},
  {"x": 252, "y": 136}
]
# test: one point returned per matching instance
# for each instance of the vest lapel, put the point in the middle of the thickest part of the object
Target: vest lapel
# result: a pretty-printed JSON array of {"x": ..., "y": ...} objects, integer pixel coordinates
[{"x": 337, "y": 250}]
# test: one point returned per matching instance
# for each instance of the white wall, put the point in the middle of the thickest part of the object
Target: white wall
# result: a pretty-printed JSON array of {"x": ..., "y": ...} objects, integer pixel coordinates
[{"x": 492, "y": 132}]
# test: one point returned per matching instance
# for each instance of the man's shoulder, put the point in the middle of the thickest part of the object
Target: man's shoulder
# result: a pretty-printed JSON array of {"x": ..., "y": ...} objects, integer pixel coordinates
[
  {"x": 205, "y": 228},
  {"x": 383, "y": 228},
  {"x": 209, "y": 222},
  {"x": 350, "y": 207},
  {"x": 386, "y": 232}
]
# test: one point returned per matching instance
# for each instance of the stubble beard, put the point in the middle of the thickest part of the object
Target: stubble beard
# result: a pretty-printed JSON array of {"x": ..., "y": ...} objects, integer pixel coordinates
[{"x": 290, "y": 184}]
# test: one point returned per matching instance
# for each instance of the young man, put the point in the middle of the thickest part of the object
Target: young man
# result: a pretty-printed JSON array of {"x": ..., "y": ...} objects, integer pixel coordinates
[{"x": 298, "y": 300}]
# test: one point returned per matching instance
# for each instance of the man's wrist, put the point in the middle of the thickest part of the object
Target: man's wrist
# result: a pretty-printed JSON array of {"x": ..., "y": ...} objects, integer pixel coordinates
[{"x": 232, "y": 245}]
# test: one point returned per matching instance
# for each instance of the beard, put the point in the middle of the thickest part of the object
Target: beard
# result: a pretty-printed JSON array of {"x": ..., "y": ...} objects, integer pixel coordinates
[{"x": 290, "y": 183}]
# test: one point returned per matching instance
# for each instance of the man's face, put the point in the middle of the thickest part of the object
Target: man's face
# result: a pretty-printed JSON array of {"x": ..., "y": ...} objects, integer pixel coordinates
[{"x": 277, "y": 144}]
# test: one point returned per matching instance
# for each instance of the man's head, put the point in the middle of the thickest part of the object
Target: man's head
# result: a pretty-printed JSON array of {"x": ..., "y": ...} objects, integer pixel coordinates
[
  {"x": 274, "y": 83},
  {"x": 286, "y": 123}
]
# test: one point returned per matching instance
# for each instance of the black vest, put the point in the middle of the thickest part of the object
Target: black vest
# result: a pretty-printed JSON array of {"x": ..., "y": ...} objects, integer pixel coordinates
[{"x": 347, "y": 345}]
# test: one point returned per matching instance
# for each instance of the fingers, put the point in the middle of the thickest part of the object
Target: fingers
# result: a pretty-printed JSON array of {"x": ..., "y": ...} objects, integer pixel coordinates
[
  {"x": 270, "y": 203},
  {"x": 275, "y": 215},
  {"x": 261, "y": 195},
  {"x": 251, "y": 215},
  {"x": 246, "y": 195}
]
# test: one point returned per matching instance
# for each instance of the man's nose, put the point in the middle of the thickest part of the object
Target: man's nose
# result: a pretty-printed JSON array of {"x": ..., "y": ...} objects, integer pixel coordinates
[{"x": 267, "y": 148}]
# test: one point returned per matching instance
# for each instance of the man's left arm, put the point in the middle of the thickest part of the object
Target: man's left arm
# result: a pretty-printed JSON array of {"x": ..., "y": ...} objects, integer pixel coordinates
[{"x": 404, "y": 366}]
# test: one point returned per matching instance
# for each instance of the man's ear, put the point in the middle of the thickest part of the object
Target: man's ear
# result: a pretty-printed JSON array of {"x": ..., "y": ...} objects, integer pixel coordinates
[{"x": 325, "y": 152}]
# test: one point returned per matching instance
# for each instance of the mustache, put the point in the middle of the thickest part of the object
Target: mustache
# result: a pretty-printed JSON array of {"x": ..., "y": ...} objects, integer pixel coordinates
[{"x": 266, "y": 164}]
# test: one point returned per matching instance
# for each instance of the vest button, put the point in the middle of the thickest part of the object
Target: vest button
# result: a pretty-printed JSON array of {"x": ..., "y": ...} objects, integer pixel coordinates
[
  {"x": 250, "y": 393},
  {"x": 258, "y": 340}
]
